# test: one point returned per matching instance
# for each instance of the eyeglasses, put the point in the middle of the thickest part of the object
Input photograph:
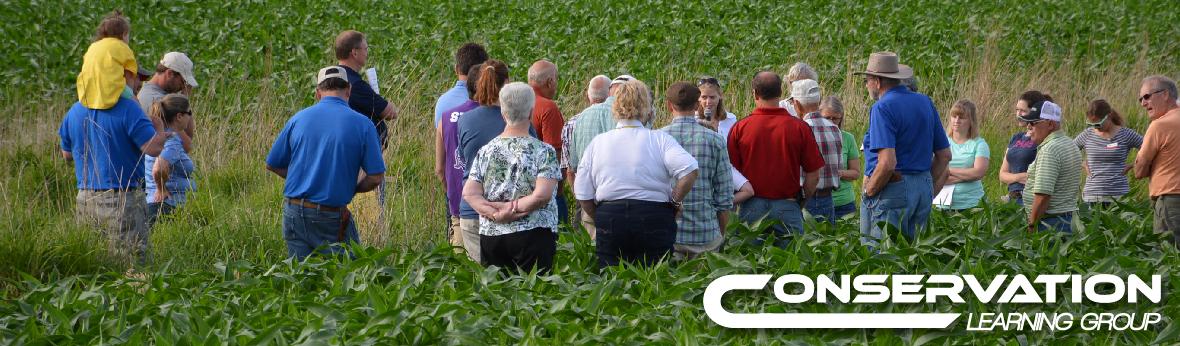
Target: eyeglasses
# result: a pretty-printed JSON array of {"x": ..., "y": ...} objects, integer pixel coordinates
[
  {"x": 708, "y": 80},
  {"x": 1148, "y": 95}
]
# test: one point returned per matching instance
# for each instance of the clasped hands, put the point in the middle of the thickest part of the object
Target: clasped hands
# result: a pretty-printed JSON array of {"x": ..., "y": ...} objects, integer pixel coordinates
[{"x": 503, "y": 213}]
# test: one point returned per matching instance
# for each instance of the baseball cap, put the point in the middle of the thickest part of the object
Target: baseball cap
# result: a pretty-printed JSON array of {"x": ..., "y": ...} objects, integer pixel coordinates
[
  {"x": 331, "y": 72},
  {"x": 180, "y": 63},
  {"x": 621, "y": 79},
  {"x": 1044, "y": 110},
  {"x": 806, "y": 91}
]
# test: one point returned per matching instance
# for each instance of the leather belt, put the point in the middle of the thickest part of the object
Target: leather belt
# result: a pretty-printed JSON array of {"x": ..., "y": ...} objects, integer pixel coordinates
[
  {"x": 823, "y": 192},
  {"x": 306, "y": 204}
]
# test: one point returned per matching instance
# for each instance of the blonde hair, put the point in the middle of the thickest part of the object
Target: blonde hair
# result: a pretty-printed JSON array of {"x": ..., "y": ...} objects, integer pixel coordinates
[
  {"x": 965, "y": 108},
  {"x": 633, "y": 102}
]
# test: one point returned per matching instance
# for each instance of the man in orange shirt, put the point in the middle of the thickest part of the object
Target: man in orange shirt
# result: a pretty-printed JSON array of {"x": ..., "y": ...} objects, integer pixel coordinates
[
  {"x": 547, "y": 119},
  {"x": 1159, "y": 158}
]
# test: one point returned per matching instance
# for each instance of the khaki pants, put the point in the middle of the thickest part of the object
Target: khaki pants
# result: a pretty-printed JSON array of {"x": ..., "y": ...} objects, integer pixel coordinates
[
  {"x": 121, "y": 216},
  {"x": 454, "y": 232},
  {"x": 690, "y": 251},
  {"x": 469, "y": 230},
  {"x": 1167, "y": 216}
]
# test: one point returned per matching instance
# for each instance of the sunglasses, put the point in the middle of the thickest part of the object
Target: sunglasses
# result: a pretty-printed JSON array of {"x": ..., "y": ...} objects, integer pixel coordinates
[
  {"x": 1029, "y": 122},
  {"x": 1097, "y": 124},
  {"x": 1148, "y": 95},
  {"x": 708, "y": 80}
]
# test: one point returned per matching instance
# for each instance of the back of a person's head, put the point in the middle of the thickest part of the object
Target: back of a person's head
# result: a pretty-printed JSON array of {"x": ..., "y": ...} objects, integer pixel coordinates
[
  {"x": 167, "y": 107},
  {"x": 472, "y": 79},
  {"x": 1033, "y": 97},
  {"x": 632, "y": 101},
  {"x": 800, "y": 71},
  {"x": 516, "y": 102},
  {"x": 598, "y": 89},
  {"x": 767, "y": 85},
  {"x": 833, "y": 104},
  {"x": 468, "y": 55},
  {"x": 1100, "y": 108},
  {"x": 492, "y": 76},
  {"x": 346, "y": 42},
  {"x": 683, "y": 96},
  {"x": 114, "y": 25}
]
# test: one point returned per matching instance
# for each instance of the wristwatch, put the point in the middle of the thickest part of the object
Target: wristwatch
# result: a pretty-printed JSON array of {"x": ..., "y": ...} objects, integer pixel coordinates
[{"x": 677, "y": 205}]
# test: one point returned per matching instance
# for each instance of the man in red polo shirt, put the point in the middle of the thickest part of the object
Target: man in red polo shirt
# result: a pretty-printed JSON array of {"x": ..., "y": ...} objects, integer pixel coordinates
[
  {"x": 547, "y": 118},
  {"x": 769, "y": 147}
]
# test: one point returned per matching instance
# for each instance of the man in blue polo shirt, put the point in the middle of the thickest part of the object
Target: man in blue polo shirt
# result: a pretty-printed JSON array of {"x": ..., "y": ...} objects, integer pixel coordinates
[
  {"x": 906, "y": 152},
  {"x": 106, "y": 147},
  {"x": 352, "y": 51},
  {"x": 319, "y": 153}
]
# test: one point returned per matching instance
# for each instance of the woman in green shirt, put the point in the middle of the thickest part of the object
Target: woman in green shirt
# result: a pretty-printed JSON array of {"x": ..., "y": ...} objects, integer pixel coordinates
[
  {"x": 842, "y": 198},
  {"x": 969, "y": 159}
]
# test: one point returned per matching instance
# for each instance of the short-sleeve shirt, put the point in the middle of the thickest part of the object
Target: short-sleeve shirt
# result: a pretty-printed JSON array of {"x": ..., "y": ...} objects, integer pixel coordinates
[
  {"x": 1107, "y": 161},
  {"x": 105, "y": 144},
  {"x": 567, "y": 133},
  {"x": 452, "y": 98},
  {"x": 593, "y": 121},
  {"x": 967, "y": 195},
  {"x": 1056, "y": 172},
  {"x": 713, "y": 189},
  {"x": 843, "y": 194},
  {"x": 453, "y": 166},
  {"x": 101, "y": 81},
  {"x": 1161, "y": 147},
  {"x": 769, "y": 147},
  {"x": 322, "y": 148},
  {"x": 364, "y": 100},
  {"x": 1021, "y": 153},
  {"x": 508, "y": 168},
  {"x": 180, "y": 180},
  {"x": 548, "y": 121},
  {"x": 653, "y": 161},
  {"x": 908, "y": 123},
  {"x": 477, "y": 127},
  {"x": 149, "y": 94}
]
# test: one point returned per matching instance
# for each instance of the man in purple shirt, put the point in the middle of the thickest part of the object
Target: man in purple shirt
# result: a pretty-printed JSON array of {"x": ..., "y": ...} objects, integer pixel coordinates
[{"x": 452, "y": 166}]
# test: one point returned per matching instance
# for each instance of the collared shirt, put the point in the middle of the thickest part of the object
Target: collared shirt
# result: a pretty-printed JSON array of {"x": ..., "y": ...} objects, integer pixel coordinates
[
  {"x": 831, "y": 145},
  {"x": 105, "y": 144},
  {"x": 367, "y": 102},
  {"x": 477, "y": 127},
  {"x": 1021, "y": 153},
  {"x": 453, "y": 164},
  {"x": 712, "y": 192},
  {"x": 149, "y": 94},
  {"x": 567, "y": 133},
  {"x": 1056, "y": 172},
  {"x": 547, "y": 120},
  {"x": 322, "y": 148},
  {"x": 508, "y": 168},
  {"x": 1106, "y": 159},
  {"x": 769, "y": 147},
  {"x": 452, "y": 98},
  {"x": 594, "y": 120},
  {"x": 101, "y": 82},
  {"x": 631, "y": 162},
  {"x": 180, "y": 180},
  {"x": 907, "y": 122},
  {"x": 1161, "y": 146},
  {"x": 843, "y": 194}
]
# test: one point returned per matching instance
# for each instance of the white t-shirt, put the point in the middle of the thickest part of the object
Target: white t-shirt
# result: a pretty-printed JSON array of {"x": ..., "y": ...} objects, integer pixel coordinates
[{"x": 631, "y": 162}]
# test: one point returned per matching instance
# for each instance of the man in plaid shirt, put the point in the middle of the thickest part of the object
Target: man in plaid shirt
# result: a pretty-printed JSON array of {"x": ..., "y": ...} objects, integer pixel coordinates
[
  {"x": 805, "y": 97},
  {"x": 701, "y": 223},
  {"x": 596, "y": 92}
]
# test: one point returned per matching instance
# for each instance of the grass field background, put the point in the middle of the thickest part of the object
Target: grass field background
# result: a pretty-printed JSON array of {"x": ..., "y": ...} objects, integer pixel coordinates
[{"x": 255, "y": 61}]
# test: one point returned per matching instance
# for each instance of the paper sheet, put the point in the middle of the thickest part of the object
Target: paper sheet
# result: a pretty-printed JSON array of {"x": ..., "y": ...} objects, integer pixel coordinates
[
  {"x": 944, "y": 197},
  {"x": 371, "y": 75}
]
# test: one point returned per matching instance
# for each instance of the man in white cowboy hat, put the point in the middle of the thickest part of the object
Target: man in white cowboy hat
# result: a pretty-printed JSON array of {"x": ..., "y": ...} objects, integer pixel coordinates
[{"x": 906, "y": 152}]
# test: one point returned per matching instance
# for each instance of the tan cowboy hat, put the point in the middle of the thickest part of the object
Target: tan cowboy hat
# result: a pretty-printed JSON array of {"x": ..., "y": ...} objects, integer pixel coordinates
[{"x": 884, "y": 64}]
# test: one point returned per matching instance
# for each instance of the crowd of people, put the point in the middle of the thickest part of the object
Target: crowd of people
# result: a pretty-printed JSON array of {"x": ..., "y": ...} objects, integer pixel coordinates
[{"x": 505, "y": 156}]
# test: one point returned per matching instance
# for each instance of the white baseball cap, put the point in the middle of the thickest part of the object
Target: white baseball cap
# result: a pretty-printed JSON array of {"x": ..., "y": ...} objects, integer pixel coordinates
[
  {"x": 621, "y": 79},
  {"x": 1044, "y": 110},
  {"x": 331, "y": 72},
  {"x": 807, "y": 91},
  {"x": 180, "y": 63}
]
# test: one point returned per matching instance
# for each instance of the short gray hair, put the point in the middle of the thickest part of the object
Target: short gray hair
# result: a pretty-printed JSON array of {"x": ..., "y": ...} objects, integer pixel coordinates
[
  {"x": 516, "y": 102},
  {"x": 833, "y": 103},
  {"x": 801, "y": 71},
  {"x": 1161, "y": 81},
  {"x": 598, "y": 92}
]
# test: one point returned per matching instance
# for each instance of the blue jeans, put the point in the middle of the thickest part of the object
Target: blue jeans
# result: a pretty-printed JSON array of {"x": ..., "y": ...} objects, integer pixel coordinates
[
  {"x": 563, "y": 211},
  {"x": 307, "y": 229},
  {"x": 783, "y": 210},
  {"x": 904, "y": 204},
  {"x": 1060, "y": 223},
  {"x": 844, "y": 210},
  {"x": 821, "y": 209},
  {"x": 640, "y": 232}
]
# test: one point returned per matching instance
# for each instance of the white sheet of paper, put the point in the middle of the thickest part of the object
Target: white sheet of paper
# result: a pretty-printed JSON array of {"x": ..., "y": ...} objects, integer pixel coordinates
[
  {"x": 944, "y": 196},
  {"x": 371, "y": 75}
]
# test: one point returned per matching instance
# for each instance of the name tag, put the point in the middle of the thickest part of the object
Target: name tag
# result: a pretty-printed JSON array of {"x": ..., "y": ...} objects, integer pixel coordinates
[{"x": 1112, "y": 146}]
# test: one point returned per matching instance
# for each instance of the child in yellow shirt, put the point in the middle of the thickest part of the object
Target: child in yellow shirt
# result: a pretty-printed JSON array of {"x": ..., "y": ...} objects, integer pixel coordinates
[{"x": 108, "y": 68}]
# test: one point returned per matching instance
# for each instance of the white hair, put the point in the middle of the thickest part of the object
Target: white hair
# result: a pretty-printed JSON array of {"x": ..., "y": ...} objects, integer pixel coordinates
[
  {"x": 801, "y": 71},
  {"x": 598, "y": 89},
  {"x": 1165, "y": 83},
  {"x": 516, "y": 102}
]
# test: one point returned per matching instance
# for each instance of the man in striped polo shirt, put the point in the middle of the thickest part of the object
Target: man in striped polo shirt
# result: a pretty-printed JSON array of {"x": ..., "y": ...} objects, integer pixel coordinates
[{"x": 1055, "y": 176}]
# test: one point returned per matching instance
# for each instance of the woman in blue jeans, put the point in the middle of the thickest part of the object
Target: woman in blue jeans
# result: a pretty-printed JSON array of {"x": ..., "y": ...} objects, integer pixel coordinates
[{"x": 632, "y": 179}]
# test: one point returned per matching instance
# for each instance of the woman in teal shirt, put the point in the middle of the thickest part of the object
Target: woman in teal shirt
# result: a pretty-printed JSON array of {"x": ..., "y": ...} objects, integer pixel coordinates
[{"x": 969, "y": 158}]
